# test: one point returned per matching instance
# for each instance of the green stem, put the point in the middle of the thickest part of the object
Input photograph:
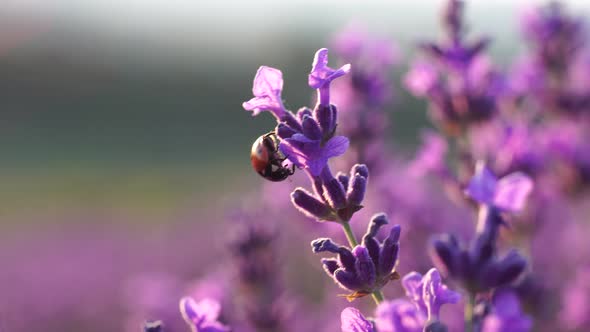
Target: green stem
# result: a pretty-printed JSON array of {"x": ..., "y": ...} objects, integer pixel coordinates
[
  {"x": 469, "y": 305},
  {"x": 349, "y": 234},
  {"x": 376, "y": 295}
]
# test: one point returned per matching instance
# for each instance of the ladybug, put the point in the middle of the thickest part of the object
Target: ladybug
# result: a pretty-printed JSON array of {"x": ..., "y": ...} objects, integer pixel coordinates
[{"x": 267, "y": 160}]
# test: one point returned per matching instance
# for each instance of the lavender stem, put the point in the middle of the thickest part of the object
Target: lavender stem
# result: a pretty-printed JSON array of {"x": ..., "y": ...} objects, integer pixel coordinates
[{"x": 469, "y": 305}]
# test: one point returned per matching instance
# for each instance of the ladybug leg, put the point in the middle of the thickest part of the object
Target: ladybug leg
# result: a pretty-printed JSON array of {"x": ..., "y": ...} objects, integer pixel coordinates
[{"x": 292, "y": 170}]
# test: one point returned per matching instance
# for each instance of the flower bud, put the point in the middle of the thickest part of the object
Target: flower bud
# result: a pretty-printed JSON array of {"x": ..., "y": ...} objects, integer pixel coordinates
[
  {"x": 303, "y": 111},
  {"x": 284, "y": 131},
  {"x": 343, "y": 178},
  {"x": 330, "y": 265},
  {"x": 309, "y": 205},
  {"x": 389, "y": 251},
  {"x": 510, "y": 268},
  {"x": 347, "y": 280},
  {"x": 291, "y": 121},
  {"x": 365, "y": 268},
  {"x": 335, "y": 194},
  {"x": 325, "y": 118},
  {"x": 356, "y": 190},
  {"x": 311, "y": 129},
  {"x": 324, "y": 244},
  {"x": 361, "y": 169},
  {"x": 375, "y": 224}
]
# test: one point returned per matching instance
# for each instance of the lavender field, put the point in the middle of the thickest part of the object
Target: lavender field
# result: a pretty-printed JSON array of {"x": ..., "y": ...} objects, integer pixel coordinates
[{"x": 281, "y": 167}]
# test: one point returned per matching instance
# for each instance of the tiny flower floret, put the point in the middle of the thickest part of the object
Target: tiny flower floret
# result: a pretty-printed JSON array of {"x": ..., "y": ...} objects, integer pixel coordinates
[
  {"x": 267, "y": 88},
  {"x": 428, "y": 292},
  {"x": 354, "y": 321},
  {"x": 321, "y": 74},
  {"x": 509, "y": 193},
  {"x": 202, "y": 316},
  {"x": 310, "y": 154}
]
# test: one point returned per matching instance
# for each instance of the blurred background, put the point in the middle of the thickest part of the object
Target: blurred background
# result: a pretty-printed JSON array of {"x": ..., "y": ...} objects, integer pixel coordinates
[{"x": 122, "y": 132}]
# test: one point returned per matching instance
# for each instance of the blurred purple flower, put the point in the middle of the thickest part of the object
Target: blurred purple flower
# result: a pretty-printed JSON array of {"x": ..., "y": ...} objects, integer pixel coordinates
[
  {"x": 431, "y": 156},
  {"x": 506, "y": 315},
  {"x": 509, "y": 193},
  {"x": 556, "y": 36},
  {"x": 576, "y": 302},
  {"x": 478, "y": 266},
  {"x": 459, "y": 82},
  {"x": 428, "y": 292},
  {"x": 421, "y": 78},
  {"x": 202, "y": 316},
  {"x": 267, "y": 88},
  {"x": 354, "y": 321},
  {"x": 399, "y": 316}
]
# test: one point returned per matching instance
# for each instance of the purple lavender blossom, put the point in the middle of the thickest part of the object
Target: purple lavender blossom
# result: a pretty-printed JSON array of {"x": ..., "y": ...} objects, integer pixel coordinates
[
  {"x": 354, "y": 321},
  {"x": 508, "y": 193},
  {"x": 310, "y": 154},
  {"x": 428, "y": 292},
  {"x": 321, "y": 76},
  {"x": 367, "y": 267},
  {"x": 268, "y": 85},
  {"x": 506, "y": 315},
  {"x": 202, "y": 316}
]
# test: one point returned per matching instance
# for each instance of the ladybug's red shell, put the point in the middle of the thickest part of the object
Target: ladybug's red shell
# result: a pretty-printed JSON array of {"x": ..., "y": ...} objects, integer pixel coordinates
[
  {"x": 259, "y": 156},
  {"x": 267, "y": 160}
]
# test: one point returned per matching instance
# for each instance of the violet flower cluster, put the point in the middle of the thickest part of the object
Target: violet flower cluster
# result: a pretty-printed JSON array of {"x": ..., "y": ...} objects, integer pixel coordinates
[
  {"x": 420, "y": 312},
  {"x": 308, "y": 142},
  {"x": 511, "y": 151},
  {"x": 367, "y": 267}
]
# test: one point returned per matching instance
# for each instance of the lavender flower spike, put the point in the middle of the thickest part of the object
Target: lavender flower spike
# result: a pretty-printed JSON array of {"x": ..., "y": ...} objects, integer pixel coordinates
[
  {"x": 366, "y": 268},
  {"x": 354, "y": 321},
  {"x": 267, "y": 88},
  {"x": 508, "y": 194},
  {"x": 428, "y": 292},
  {"x": 321, "y": 75},
  {"x": 202, "y": 316}
]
